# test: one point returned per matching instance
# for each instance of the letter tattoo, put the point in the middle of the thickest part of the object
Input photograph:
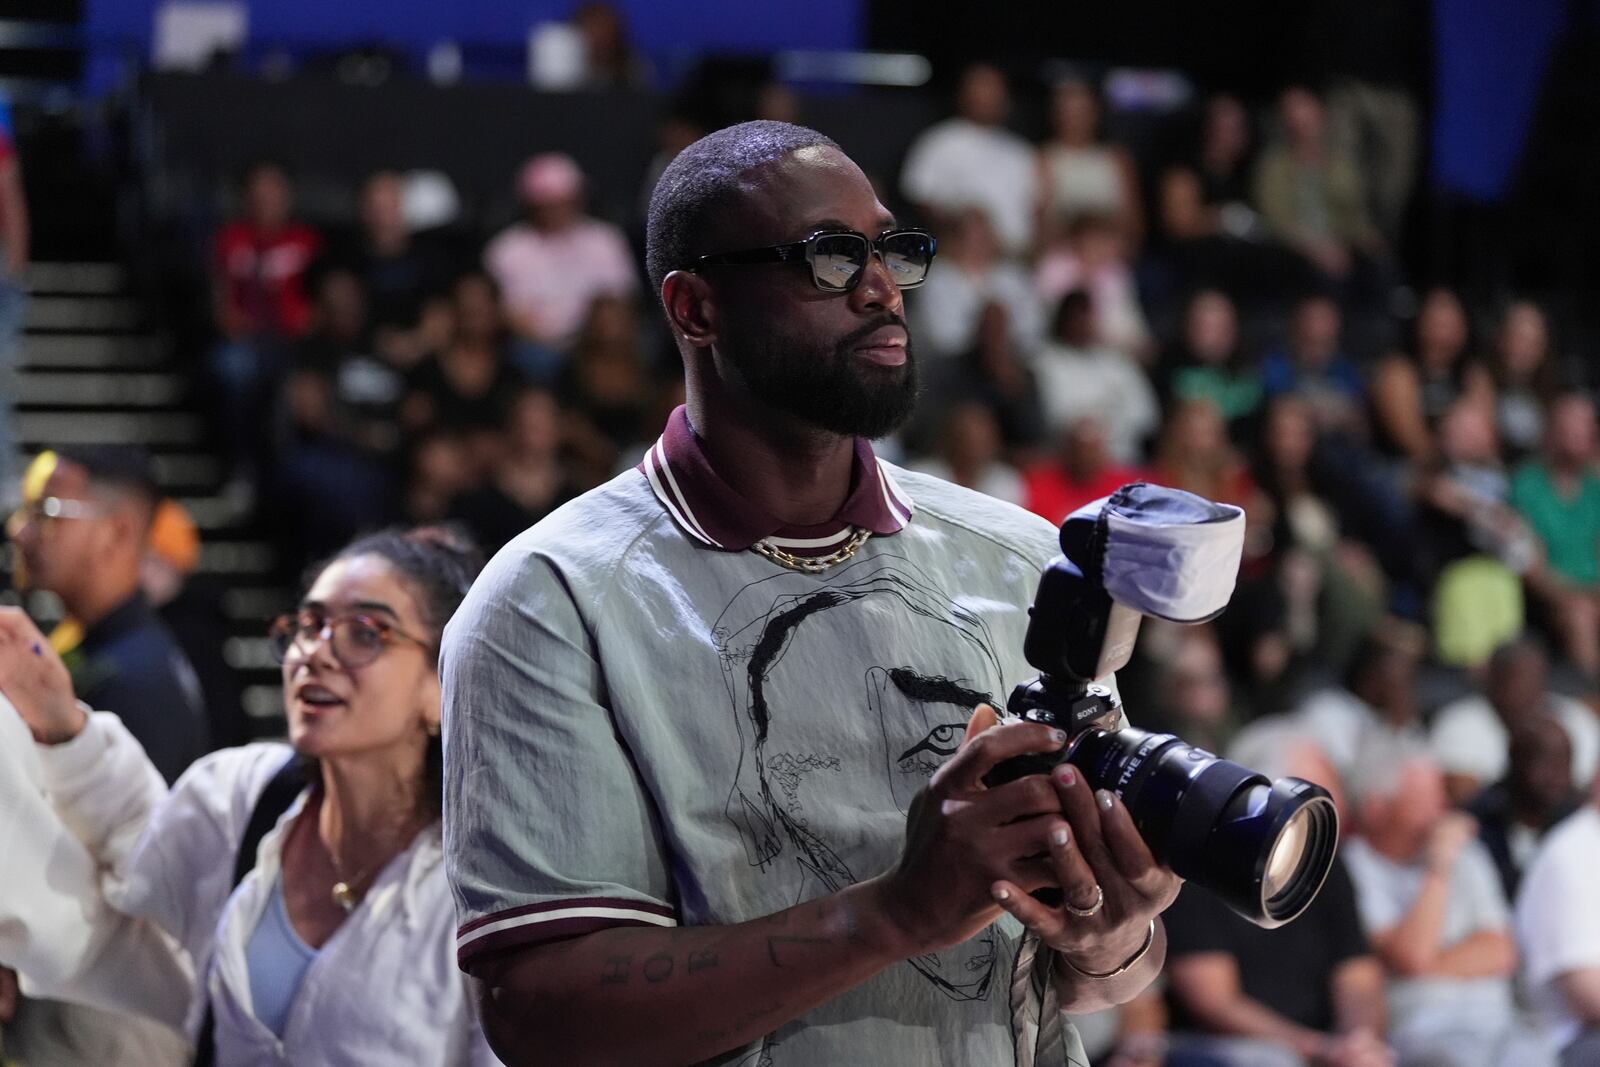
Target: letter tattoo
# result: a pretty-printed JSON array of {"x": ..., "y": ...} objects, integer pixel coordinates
[{"x": 658, "y": 968}]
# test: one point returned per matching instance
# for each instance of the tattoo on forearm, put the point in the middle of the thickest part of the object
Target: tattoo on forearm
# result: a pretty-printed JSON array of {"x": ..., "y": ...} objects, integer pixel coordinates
[
  {"x": 658, "y": 968},
  {"x": 702, "y": 961},
  {"x": 774, "y": 943},
  {"x": 617, "y": 970}
]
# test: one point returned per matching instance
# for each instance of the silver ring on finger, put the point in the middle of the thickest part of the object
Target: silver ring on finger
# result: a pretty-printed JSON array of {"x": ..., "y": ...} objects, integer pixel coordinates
[{"x": 1091, "y": 910}]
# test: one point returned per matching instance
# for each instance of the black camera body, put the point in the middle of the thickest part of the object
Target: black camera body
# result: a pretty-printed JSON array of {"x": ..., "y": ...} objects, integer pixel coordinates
[{"x": 1263, "y": 847}]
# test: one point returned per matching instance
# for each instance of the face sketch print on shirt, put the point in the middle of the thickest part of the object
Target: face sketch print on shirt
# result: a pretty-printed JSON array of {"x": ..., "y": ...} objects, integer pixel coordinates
[{"x": 891, "y": 708}]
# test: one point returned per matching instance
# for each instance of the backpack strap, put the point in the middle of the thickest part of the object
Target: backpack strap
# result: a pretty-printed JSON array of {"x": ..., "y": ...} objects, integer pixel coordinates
[{"x": 274, "y": 800}]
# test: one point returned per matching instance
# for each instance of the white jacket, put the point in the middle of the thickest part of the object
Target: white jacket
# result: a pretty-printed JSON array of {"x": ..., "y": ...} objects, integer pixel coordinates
[{"x": 383, "y": 989}]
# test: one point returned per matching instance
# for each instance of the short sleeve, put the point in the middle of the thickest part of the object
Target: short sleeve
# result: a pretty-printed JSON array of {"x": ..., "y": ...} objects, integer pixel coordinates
[
  {"x": 549, "y": 833},
  {"x": 1377, "y": 895},
  {"x": 1197, "y": 922},
  {"x": 1558, "y": 926}
]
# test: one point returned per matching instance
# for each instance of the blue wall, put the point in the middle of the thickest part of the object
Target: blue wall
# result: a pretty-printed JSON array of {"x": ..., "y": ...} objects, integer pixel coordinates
[
  {"x": 1491, "y": 58},
  {"x": 661, "y": 30}
]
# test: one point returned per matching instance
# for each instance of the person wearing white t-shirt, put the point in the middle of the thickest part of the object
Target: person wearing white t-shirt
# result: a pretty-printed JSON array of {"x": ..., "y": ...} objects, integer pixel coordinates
[
  {"x": 1431, "y": 903},
  {"x": 972, "y": 160},
  {"x": 1471, "y": 737},
  {"x": 1558, "y": 930}
]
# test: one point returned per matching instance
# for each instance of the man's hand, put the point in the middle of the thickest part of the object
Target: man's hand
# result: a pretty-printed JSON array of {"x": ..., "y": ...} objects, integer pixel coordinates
[
  {"x": 1447, "y": 839},
  {"x": 1359, "y": 1048},
  {"x": 36, "y": 682},
  {"x": 961, "y": 837},
  {"x": 1102, "y": 865}
]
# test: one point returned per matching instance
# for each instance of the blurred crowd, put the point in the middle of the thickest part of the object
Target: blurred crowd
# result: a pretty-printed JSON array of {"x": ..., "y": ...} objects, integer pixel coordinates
[{"x": 1417, "y": 621}]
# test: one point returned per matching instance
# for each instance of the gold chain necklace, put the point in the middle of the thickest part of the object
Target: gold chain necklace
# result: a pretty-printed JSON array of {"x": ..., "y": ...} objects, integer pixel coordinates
[
  {"x": 344, "y": 893},
  {"x": 813, "y": 564}
]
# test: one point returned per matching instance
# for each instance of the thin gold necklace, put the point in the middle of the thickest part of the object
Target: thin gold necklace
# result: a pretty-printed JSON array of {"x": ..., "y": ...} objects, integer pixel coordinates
[
  {"x": 344, "y": 893},
  {"x": 813, "y": 564}
]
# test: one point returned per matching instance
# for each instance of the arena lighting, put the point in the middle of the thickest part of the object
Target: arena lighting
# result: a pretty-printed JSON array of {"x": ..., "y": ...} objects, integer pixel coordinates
[
  {"x": 905, "y": 69},
  {"x": 1263, "y": 847}
]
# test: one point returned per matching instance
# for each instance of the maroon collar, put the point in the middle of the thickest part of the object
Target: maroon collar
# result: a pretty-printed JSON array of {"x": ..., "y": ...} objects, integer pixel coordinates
[{"x": 712, "y": 512}]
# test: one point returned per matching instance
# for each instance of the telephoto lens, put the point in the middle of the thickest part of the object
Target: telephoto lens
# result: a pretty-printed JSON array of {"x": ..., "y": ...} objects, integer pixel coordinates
[{"x": 1263, "y": 847}]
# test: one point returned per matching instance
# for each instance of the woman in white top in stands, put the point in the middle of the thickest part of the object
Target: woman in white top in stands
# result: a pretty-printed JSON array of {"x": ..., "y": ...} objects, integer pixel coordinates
[
  {"x": 338, "y": 947},
  {"x": 1080, "y": 174}
]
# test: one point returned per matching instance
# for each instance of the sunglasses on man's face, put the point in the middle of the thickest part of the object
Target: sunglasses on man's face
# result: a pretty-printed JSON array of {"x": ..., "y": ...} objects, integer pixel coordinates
[{"x": 838, "y": 258}]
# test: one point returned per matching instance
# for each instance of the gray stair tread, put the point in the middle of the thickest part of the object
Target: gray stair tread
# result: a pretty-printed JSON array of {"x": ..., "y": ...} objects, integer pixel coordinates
[
  {"x": 81, "y": 278},
  {"x": 84, "y": 313},
  {"x": 145, "y": 389},
  {"x": 64, "y": 351},
  {"x": 43, "y": 429}
]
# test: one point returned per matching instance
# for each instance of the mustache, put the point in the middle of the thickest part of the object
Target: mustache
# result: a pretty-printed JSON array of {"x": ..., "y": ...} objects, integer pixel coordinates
[{"x": 854, "y": 337}]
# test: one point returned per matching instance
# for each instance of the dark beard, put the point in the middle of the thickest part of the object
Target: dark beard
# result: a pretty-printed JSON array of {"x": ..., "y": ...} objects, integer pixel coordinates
[{"x": 831, "y": 390}]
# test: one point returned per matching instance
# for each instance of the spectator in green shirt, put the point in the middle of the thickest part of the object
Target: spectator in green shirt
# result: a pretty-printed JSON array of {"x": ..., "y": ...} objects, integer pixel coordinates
[{"x": 1559, "y": 494}]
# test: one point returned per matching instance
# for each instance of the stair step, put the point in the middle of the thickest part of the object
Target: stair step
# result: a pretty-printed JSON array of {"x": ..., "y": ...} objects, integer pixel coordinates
[
  {"x": 99, "y": 389},
  {"x": 237, "y": 557},
  {"x": 254, "y": 604},
  {"x": 249, "y": 653},
  {"x": 264, "y": 703},
  {"x": 93, "y": 351},
  {"x": 181, "y": 470},
  {"x": 102, "y": 279},
  {"x": 46, "y": 429},
  {"x": 85, "y": 313}
]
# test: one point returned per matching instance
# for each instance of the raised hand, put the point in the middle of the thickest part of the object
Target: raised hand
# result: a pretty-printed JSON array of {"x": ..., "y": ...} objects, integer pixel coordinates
[{"x": 36, "y": 682}]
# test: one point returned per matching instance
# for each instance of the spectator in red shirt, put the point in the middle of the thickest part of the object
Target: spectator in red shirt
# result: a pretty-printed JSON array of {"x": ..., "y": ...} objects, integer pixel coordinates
[
  {"x": 258, "y": 278},
  {"x": 261, "y": 262},
  {"x": 1081, "y": 471}
]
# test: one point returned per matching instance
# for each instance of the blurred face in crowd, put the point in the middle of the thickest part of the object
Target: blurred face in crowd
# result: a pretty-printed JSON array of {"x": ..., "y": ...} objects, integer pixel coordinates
[
  {"x": 68, "y": 555},
  {"x": 1301, "y": 114},
  {"x": 1572, "y": 430},
  {"x": 1540, "y": 775},
  {"x": 1211, "y": 329},
  {"x": 342, "y": 303},
  {"x": 1197, "y": 688},
  {"x": 1441, "y": 329},
  {"x": 973, "y": 242},
  {"x": 971, "y": 437},
  {"x": 1183, "y": 207},
  {"x": 335, "y": 709},
  {"x": 1518, "y": 682},
  {"x": 1412, "y": 808},
  {"x": 535, "y": 423},
  {"x": 1388, "y": 683},
  {"x": 383, "y": 208},
  {"x": 983, "y": 98},
  {"x": 268, "y": 198},
  {"x": 1227, "y": 129},
  {"x": 1084, "y": 448},
  {"x": 477, "y": 308},
  {"x": 1467, "y": 434},
  {"x": 1075, "y": 113},
  {"x": 1196, "y": 430},
  {"x": 1290, "y": 433},
  {"x": 1315, "y": 334},
  {"x": 830, "y": 360},
  {"x": 1524, "y": 340}
]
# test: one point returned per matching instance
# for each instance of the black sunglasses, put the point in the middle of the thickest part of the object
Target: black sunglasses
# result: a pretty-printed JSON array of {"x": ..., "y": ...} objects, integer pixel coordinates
[{"x": 839, "y": 257}]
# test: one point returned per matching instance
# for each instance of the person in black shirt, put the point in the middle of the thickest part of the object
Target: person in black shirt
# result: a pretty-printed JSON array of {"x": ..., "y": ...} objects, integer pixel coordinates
[
  {"x": 83, "y": 538},
  {"x": 1306, "y": 993},
  {"x": 1516, "y": 812}
]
